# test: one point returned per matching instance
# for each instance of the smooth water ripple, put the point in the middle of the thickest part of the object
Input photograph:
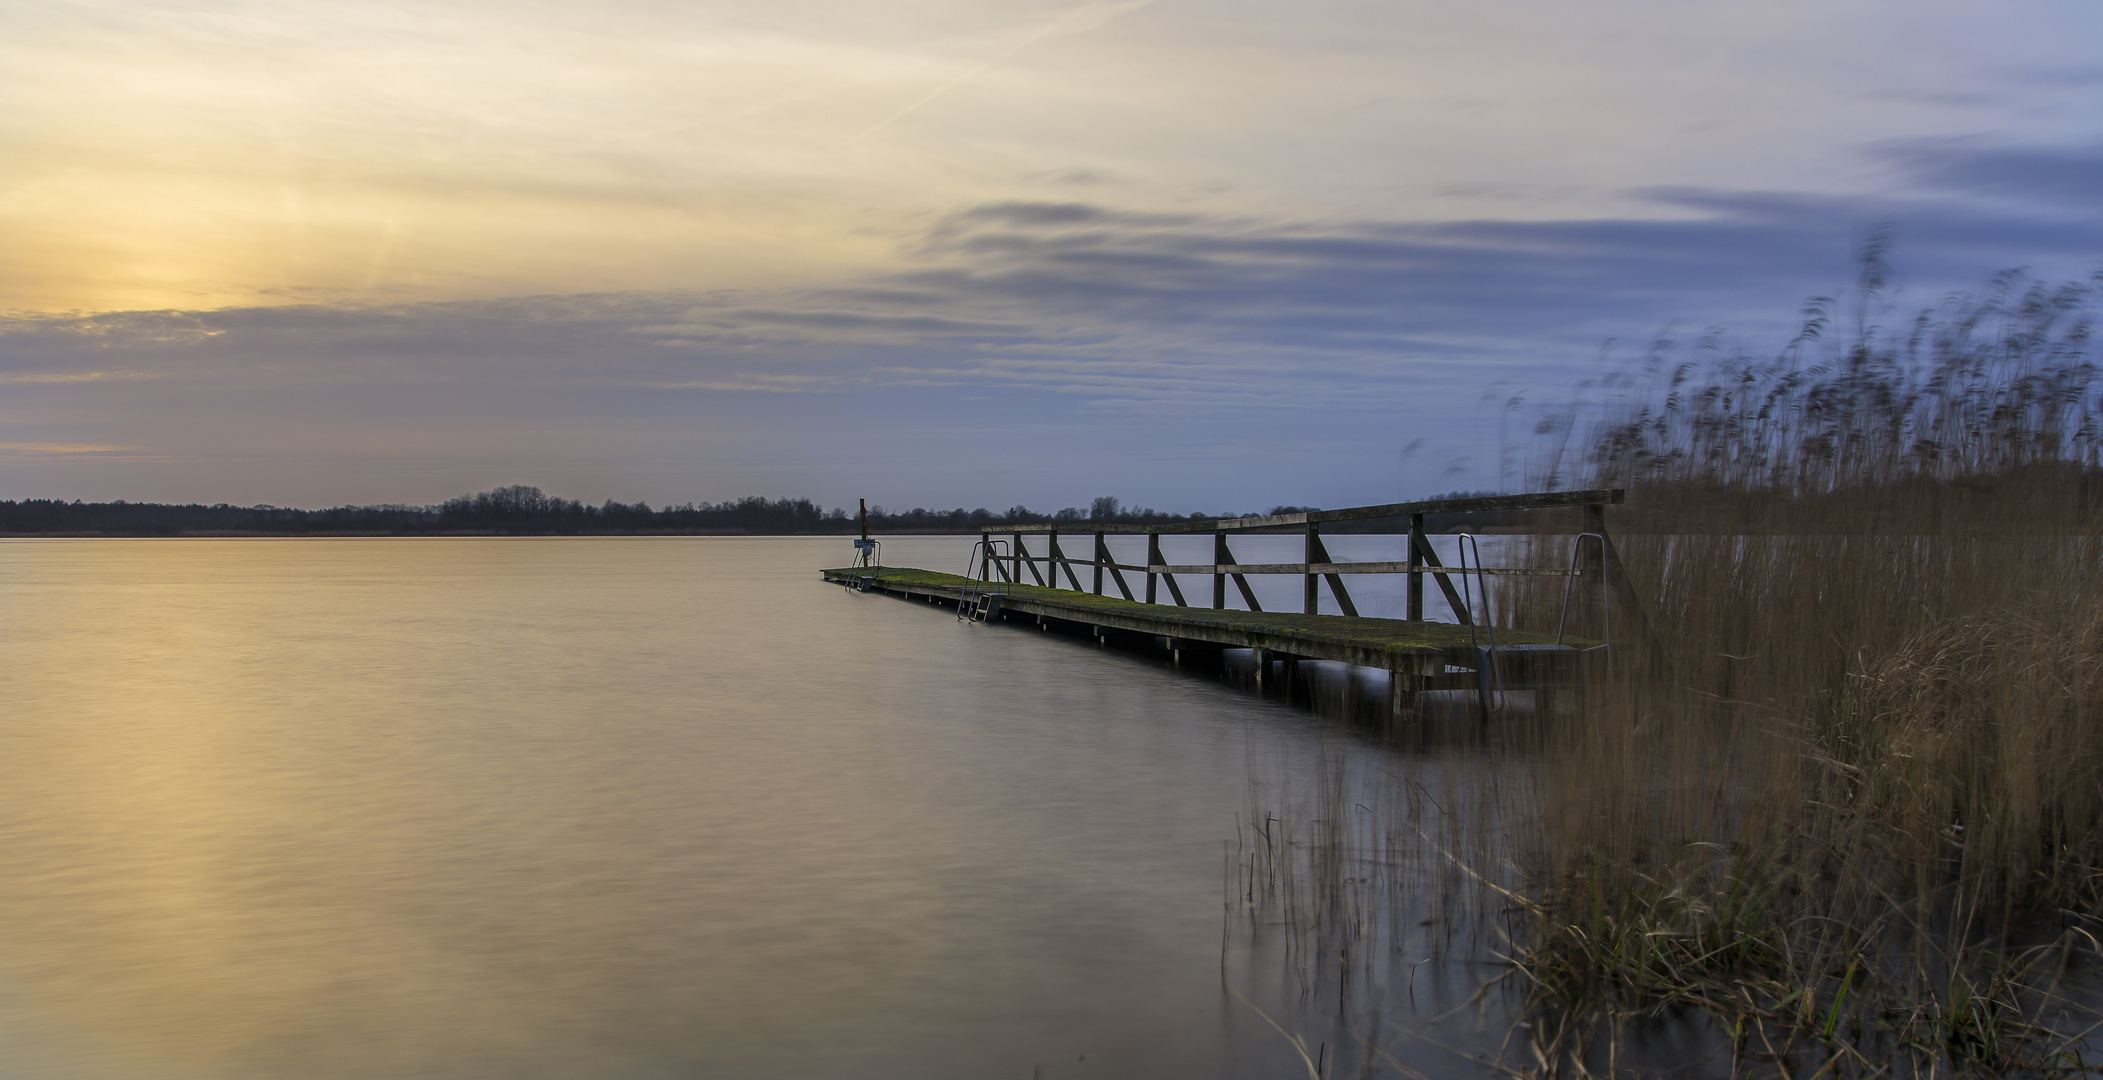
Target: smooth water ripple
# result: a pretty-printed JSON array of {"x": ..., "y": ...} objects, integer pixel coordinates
[{"x": 635, "y": 807}]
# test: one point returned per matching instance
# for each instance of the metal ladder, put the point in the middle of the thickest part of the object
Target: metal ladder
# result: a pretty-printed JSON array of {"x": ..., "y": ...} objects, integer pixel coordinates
[
  {"x": 981, "y": 597},
  {"x": 1489, "y": 691},
  {"x": 868, "y": 565},
  {"x": 1606, "y": 599}
]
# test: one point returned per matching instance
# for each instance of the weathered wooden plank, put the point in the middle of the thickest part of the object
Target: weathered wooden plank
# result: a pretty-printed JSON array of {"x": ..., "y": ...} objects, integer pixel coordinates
[
  {"x": 988, "y": 563},
  {"x": 1415, "y": 602},
  {"x": 1310, "y": 585},
  {"x": 1418, "y": 650},
  {"x": 1433, "y": 567},
  {"x": 1023, "y": 556},
  {"x": 1102, "y": 556},
  {"x": 1342, "y": 568},
  {"x": 1058, "y": 559},
  {"x": 1540, "y": 500},
  {"x": 1318, "y": 554},
  {"x": 1153, "y": 555}
]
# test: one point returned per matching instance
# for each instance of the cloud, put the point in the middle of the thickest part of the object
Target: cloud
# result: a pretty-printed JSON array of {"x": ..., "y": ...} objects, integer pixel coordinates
[
  {"x": 63, "y": 448},
  {"x": 1132, "y": 308},
  {"x": 1115, "y": 335},
  {"x": 2043, "y": 178}
]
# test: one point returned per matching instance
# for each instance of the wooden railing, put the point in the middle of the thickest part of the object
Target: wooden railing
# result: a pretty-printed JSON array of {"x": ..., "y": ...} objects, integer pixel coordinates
[{"x": 1316, "y": 568}]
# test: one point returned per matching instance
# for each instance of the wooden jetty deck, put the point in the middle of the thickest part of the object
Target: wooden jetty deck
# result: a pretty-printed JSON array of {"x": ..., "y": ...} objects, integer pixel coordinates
[{"x": 1419, "y": 654}]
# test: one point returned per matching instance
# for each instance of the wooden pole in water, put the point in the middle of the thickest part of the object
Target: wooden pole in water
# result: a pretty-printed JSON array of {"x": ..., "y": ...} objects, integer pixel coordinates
[{"x": 1401, "y": 691}]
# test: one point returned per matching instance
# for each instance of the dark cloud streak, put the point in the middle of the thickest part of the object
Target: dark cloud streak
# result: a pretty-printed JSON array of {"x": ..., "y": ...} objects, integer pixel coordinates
[{"x": 1066, "y": 316}]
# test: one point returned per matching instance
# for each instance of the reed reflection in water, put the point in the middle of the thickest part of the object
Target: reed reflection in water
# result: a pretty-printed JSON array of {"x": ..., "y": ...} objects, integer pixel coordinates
[{"x": 598, "y": 807}]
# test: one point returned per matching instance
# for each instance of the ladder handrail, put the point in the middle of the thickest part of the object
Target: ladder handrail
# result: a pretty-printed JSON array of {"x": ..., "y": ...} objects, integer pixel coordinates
[
  {"x": 1486, "y": 680},
  {"x": 1606, "y": 596},
  {"x": 976, "y": 582}
]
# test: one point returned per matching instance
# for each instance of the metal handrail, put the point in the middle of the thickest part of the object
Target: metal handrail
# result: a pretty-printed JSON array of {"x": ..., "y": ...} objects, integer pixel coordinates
[
  {"x": 1606, "y": 605},
  {"x": 1487, "y": 683},
  {"x": 983, "y": 558}
]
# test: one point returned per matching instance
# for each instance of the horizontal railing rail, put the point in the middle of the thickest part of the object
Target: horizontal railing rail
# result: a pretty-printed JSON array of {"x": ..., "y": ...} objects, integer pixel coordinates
[
  {"x": 1474, "y": 504},
  {"x": 1308, "y": 568},
  {"x": 1315, "y": 569}
]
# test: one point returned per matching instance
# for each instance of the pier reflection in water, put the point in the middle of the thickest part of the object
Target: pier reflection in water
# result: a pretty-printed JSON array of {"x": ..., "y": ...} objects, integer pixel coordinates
[{"x": 631, "y": 807}]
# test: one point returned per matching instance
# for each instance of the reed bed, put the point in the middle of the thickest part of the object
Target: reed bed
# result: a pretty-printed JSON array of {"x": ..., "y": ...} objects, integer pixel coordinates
[{"x": 1843, "y": 808}]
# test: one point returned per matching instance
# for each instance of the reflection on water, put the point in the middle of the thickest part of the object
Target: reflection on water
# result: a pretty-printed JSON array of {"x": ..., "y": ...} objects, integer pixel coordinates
[{"x": 606, "y": 808}]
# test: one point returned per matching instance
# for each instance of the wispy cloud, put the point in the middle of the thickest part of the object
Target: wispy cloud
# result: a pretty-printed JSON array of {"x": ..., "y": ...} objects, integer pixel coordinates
[
  {"x": 1078, "y": 19},
  {"x": 1114, "y": 337},
  {"x": 64, "y": 448},
  {"x": 73, "y": 376}
]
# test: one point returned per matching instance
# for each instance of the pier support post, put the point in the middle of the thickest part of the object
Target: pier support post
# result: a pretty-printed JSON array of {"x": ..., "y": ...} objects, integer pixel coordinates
[
  {"x": 1401, "y": 692},
  {"x": 1263, "y": 670}
]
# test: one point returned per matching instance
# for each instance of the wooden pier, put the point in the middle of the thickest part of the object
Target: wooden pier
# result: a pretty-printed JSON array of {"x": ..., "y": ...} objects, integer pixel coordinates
[{"x": 1419, "y": 655}]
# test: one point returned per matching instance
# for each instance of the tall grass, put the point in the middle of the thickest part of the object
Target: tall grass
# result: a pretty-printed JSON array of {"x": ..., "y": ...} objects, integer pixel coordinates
[
  {"x": 1852, "y": 801},
  {"x": 1846, "y": 807}
]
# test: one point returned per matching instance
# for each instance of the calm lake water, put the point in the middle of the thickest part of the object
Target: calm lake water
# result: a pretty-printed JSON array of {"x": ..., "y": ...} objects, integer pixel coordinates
[{"x": 650, "y": 807}]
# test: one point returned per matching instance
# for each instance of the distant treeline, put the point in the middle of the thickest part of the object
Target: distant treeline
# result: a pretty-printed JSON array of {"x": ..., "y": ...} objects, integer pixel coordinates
[{"x": 522, "y": 510}]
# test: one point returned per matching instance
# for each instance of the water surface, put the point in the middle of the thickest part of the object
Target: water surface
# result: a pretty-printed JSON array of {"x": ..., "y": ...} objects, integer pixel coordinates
[{"x": 622, "y": 807}]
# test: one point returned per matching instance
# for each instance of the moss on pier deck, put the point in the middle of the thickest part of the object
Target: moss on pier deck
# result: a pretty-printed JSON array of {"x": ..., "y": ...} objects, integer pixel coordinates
[{"x": 1376, "y": 635}]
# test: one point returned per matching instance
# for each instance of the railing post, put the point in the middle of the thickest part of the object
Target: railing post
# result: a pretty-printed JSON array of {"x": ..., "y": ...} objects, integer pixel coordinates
[
  {"x": 1416, "y": 574},
  {"x": 1101, "y": 553},
  {"x": 1055, "y": 558},
  {"x": 1591, "y": 565},
  {"x": 1153, "y": 554},
  {"x": 1016, "y": 576},
  {"x": 1220, "y": 558},
  {"x": 985, "y": 556},
  {"x": 1311, "y": 589}
]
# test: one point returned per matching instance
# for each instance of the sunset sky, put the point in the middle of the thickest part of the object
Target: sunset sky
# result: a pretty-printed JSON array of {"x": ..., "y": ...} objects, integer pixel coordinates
[{"x": 1203, "y": 256}]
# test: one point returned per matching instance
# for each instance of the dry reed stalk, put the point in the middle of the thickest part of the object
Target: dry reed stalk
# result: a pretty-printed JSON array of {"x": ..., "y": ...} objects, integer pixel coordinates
[
  {"x": 1859, "y": 804},
  {"x": 1851, "y": 806}
]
